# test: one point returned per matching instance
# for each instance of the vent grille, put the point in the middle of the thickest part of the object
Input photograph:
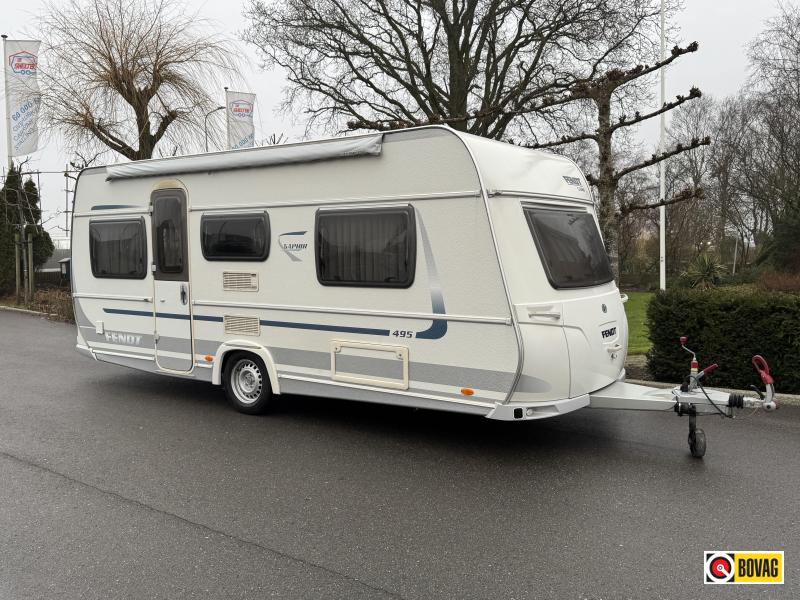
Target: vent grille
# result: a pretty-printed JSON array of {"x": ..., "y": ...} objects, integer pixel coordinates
[
  {"x": 241, "y": 325},
  {"x": 234, "y": 281}
]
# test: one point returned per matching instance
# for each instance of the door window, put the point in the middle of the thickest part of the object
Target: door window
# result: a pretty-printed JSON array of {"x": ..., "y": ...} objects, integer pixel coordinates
[{"x": 169, "y": 227}]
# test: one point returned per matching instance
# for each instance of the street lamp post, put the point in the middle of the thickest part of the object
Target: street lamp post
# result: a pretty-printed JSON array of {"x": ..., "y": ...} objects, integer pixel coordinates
[
  {"x": 662, "y": 188},
  {"x": 205, "y": 122}
]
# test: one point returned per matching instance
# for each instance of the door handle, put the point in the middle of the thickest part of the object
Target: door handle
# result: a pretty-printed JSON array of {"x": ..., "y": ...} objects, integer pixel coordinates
[
  {"x": 184, "y": 294},
  {"x": 545, "y": 314}
]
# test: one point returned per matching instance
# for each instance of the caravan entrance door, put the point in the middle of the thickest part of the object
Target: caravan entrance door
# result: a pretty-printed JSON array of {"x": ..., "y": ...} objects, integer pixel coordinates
[{"x": 171, "y": 292}]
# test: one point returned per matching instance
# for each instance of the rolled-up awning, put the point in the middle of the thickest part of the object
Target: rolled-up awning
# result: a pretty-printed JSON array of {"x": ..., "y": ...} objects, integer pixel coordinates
[{"x": 368, "y": 145}]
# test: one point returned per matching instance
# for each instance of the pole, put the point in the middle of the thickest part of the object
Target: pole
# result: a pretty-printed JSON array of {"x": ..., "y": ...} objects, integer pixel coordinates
[
  {"x": 8, "y": 117},
  {"x": 23, "y": 230},
  {"x": 205, "y": 122},
  {"x": 27, "y": 257},
  {"x": 31, "y": 281},
  {"x": 227, "y": 125},
  {"x": 735, "y": 255},
  {"x": 66, "y": 200},
  {"x": 662, "y": 188},
  {"x": 18, "y": 271}
]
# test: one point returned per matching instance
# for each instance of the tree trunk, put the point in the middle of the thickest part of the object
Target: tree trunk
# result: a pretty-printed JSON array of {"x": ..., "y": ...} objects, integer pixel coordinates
[
  {"x": 607, "y": 184},
  {"x": 145, "y": 139},
  {"x": 458, "y": 88},
  {"x": 609, "y": 225}
]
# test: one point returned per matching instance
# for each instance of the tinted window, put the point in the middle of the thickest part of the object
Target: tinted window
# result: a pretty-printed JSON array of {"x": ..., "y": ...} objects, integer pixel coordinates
[
  {"x": 117, "y": 249},
  {"x": 368, "y": 248},
  {"x": 235, "y": 237},
  {"x": 570, "y": 247},
  {"x": 168, "y": 216}
]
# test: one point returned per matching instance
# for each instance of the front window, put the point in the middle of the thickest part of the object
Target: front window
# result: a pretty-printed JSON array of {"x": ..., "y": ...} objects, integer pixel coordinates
[{"x": 570, "y": 247}]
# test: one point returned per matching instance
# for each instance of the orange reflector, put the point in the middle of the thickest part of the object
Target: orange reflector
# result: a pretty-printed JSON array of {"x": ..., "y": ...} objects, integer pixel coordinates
[
  {"x": 467, "y": 391},
  {"x": 209, "y": 358}
]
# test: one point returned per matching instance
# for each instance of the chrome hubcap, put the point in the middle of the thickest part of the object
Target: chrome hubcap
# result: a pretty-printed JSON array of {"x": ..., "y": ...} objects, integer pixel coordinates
[{"x": 247, "y": 381}]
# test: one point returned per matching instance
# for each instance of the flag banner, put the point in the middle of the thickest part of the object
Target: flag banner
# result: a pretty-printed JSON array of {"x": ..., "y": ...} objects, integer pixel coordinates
[
  {"x": 22, "y": 95},
  {"x": 239, "y": 110}
]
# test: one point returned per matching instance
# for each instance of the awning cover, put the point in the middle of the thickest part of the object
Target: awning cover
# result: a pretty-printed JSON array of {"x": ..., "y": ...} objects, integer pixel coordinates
[{"x": 369, "y": 145}]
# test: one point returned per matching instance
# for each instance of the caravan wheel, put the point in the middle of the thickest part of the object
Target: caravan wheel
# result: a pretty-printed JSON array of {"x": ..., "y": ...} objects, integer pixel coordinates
[{"x": 247, "y": 383}]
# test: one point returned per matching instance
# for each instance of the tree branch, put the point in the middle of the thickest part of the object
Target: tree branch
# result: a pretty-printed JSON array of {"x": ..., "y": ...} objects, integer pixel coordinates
[
  {"x": 563, "y": 141},
  {"x": 668, "y": 106},
  {"x": 657, "y": 158},
  {"x": 689, "y": 193}
]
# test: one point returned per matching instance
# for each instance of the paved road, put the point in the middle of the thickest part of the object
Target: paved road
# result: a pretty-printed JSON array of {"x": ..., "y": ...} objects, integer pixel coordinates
[{"x": 119, "y": 484}]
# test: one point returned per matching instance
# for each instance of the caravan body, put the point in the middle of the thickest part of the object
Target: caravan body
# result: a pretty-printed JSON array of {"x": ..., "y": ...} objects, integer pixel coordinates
[{"x": 422, "y": 267}]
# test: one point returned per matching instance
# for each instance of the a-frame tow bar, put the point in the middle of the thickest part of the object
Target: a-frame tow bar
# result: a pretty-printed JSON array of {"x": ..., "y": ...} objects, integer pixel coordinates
[{"x": 689, "y": 399}]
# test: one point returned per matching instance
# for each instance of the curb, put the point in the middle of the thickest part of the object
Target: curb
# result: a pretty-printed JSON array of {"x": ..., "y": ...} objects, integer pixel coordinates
[
  {"x": 781, "y": 399},
  {"x": 25, "y": 311}
]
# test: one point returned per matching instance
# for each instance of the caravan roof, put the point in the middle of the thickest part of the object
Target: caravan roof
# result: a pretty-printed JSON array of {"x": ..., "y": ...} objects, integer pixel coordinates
[{"x": 503, "y": 168}]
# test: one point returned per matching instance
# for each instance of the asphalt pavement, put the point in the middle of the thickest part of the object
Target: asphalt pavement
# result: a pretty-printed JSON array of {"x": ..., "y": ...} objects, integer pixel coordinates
[{"x": 120, "y": 484}]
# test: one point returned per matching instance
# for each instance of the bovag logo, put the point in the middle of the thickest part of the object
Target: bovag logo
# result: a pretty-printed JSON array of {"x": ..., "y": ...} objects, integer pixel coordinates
[{"x": 743, "y": 567}]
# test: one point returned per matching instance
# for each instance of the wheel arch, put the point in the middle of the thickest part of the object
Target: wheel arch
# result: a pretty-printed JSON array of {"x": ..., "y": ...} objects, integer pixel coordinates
[{"x": 225, "y": 350}]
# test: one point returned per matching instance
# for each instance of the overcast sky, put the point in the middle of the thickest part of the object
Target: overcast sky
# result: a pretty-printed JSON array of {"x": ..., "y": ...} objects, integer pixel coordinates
[{"x": 723, "y": 29}]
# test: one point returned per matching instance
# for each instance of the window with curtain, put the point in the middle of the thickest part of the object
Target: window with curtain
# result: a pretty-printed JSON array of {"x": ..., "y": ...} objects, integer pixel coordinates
[
  {"x": 118, "y": 249},
  {"x": 367, "y": 248},
  {"x": 235, "y": 237}
]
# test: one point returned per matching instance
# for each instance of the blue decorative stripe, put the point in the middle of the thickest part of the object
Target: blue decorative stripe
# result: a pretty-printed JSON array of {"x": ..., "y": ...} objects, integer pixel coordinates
[
  {"x": 438, "y": 327},
  {"x": 435, "y": 332},
  {"x": 285, "y": 324},
  {"x": 319, "y": 327},
  {"x": 144, "y": 313},
  {"x": 112, "y": 206}
]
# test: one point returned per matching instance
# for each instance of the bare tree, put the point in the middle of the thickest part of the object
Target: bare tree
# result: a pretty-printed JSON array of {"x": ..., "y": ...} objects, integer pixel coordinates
[
  {"x": 621, "y": 88},
  {"x": 483, "y": 66},
  {"x": 128, "y": 75},
  {"x": 769, "y": 157}
]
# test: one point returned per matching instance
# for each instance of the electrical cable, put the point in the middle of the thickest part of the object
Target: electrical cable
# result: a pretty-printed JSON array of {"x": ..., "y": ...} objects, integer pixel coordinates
[{"x": 719, "y": 410}]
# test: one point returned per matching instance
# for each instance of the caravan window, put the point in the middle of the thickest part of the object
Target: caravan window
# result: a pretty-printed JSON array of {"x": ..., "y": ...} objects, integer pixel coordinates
[
  {"x": 366, "y": 248},
  {"x": 235, "y": 237},
  {"x": 570, "y": 247},
  {"x": 117, "y": 249}
]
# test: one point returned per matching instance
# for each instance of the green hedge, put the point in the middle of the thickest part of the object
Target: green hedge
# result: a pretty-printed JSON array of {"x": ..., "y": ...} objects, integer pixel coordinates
[{"x": 726, "y": 326}]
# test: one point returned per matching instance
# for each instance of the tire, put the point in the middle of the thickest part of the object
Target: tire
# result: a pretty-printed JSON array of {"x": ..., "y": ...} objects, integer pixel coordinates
[
  {"x": 697, "y": 443},
  {"x": 246, "y": 383}
]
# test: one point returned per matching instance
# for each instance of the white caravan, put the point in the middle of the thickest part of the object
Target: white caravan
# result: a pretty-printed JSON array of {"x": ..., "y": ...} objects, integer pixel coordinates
[{"x": 423, "y": 267}]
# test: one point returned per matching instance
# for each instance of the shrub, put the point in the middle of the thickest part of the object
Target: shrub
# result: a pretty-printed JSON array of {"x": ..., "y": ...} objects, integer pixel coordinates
[
  {"x": 779, "y": 282},
  {"x": 744, "y": 274},
  {"x": 704, "y": 272},
  {"x": 727, "y": 326},
  {"x": 55, "y": 302}
]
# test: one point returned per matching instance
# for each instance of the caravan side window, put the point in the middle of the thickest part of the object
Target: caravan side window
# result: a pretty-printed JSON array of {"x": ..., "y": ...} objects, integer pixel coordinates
[
  {"x": 235, "y": 237},
  {"x": 367, "y": 248},
  {"x": 118, "y": 249}
]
